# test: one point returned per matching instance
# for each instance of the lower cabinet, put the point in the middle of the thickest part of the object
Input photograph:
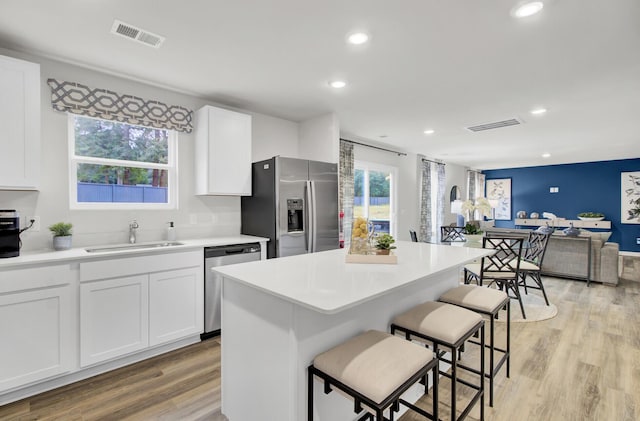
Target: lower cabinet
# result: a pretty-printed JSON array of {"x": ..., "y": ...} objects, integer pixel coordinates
[
  {"x": 36, "y": 325},
  {"x": 176, "y": 305},
  {"x": 124, "y": 308},
  {"x": 114, "y": 318}
]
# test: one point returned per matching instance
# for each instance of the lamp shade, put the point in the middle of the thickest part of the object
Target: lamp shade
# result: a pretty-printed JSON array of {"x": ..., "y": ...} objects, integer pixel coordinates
[{"x": 456, "y": 207}]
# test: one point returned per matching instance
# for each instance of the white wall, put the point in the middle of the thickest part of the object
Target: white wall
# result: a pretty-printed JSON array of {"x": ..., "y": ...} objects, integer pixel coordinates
[
  {"x": 195, "y": 217},
  {"x": 273, "y": 136},
  {"x": 319, "y": 138}
]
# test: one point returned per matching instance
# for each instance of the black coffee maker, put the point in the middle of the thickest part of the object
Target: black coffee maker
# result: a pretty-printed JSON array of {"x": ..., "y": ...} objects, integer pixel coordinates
[{"x": 9, "y": 233}]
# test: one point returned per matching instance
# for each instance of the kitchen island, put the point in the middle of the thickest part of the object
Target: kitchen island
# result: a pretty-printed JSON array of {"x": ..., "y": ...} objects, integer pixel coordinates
[{"x": 278, "y": 314}]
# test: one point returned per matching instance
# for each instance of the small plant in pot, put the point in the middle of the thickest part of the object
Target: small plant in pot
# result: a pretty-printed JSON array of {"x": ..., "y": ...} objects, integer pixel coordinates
[
  {"x": 384, "y": 244},
  {"x": 61, "y": 235},
  {"x": 472, "y": 232}
]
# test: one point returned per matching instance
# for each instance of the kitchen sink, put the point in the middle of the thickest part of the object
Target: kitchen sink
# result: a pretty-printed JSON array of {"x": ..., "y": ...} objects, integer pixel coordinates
[{"x": 142, "y": 246}]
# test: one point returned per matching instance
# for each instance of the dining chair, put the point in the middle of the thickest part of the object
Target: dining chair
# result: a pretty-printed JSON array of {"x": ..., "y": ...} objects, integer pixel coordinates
[
  {"x": 531, "y": 263},
  {"x": 451, "y": 234},
  {"x": 501, "y": 268},
  {"x": 414, "y": 236}
]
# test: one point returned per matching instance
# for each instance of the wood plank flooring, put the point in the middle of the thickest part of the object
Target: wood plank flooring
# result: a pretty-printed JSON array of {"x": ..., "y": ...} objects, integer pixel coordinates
[{"x": 584, "y": 364}]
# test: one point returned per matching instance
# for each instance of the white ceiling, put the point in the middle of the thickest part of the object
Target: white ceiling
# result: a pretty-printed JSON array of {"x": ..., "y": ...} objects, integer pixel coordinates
[{"x": 430, "y": 64}]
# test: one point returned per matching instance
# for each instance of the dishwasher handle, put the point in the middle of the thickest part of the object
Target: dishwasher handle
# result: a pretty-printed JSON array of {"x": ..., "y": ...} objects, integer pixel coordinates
[{"x": 231, "y": 250}]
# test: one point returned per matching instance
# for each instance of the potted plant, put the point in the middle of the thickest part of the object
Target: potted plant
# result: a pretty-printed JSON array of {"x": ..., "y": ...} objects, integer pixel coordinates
[
  {"x": 591, "y": 216},
  {"x": 472, "y": 233},
  {"x": 384, "y": 244},
  {"x": 61, "y": 235}
]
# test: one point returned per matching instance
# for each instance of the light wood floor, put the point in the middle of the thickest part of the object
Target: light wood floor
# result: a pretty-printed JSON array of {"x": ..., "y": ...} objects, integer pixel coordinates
[{"x": 582, "y": 365}]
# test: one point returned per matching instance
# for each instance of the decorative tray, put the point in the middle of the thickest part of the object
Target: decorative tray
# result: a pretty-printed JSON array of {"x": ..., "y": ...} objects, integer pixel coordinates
[{"x": 389, "y": 259}]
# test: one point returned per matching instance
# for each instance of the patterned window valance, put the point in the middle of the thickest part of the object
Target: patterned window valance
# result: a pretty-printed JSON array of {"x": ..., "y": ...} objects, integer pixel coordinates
[{"x": 101, "y": 103}]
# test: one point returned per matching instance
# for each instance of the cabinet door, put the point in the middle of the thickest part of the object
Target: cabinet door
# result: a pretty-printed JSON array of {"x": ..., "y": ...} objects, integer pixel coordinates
[
  {"x": 223, "y": 152},
  {"x": 176, "y": 304},
  {"x": 20, "y": 123},
  {"x": 36, "y": 331},
  {"x": 114, "y": 318}
]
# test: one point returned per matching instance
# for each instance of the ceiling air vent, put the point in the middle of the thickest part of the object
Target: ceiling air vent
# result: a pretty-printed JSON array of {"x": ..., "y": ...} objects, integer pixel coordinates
[
  {"x": 494, "y": 125},
  {"x": 136, "y": 34}
]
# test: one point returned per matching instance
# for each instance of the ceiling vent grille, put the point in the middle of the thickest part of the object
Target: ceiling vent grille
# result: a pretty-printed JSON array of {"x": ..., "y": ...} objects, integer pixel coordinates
[
  {"x": 494, "y": 125},
  {"x": 136, "y": 34}
]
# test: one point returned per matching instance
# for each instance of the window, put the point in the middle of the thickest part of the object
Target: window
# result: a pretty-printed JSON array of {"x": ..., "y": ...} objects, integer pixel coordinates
[
  {"x": 118, "y": 165},
  {"x": 374, "y": 195}
]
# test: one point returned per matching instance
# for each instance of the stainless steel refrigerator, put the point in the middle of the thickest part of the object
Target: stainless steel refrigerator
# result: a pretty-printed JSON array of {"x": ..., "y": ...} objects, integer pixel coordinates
[{"x": 294, "y": 203}]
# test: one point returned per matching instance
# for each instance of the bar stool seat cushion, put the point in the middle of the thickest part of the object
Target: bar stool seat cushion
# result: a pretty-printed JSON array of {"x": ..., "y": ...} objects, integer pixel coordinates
[
  {"x": 476, "y": 268},
  {"x": 373, "y": 363},
  {"x": 487, "y": 300},
  {"x": 444, "y": 322}
]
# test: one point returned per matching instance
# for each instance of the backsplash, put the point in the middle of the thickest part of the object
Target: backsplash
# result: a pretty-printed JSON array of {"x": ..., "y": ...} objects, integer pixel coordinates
[{"x": 220, "y": 217}]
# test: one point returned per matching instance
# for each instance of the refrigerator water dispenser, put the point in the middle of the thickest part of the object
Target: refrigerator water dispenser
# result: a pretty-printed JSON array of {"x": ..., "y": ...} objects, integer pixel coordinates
[{"x": 295, "y": 223}]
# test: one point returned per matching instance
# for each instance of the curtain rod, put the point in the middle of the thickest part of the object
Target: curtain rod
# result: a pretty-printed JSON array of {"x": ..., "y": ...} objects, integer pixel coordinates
[
  {"x": 435, "y": 162},
  {"x": 374, "y": 147}
]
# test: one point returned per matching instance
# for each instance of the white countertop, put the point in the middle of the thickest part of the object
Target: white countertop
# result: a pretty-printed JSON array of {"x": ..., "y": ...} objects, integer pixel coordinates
[
  {"x": 324, "y": 283},
  {"x": 51, "y": 256}
]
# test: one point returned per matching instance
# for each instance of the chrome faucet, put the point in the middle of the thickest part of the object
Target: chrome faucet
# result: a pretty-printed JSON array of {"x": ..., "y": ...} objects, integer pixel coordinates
[{"x": 132, "y": 231}]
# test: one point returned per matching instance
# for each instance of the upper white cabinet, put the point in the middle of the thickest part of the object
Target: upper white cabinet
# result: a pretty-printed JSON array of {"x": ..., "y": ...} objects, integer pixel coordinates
[
  {"x": 20, "y": 124},
  {"x": 222, "y": 152}
]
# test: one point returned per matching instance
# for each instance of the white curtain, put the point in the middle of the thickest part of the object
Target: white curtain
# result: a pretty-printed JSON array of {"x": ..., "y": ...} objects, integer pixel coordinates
[
  {"x": 475, "y": 188},
  {"x": 431, "y": 200},
  {"x": 345, "y": 190}
]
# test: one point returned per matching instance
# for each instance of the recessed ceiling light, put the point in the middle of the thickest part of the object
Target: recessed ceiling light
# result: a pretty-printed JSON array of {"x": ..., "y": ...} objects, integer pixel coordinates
[
  {"x": 357, "y": 38},
  {"x": 337, "y": 84},
  {"x": 429, "y": 131},
  {"x": 538, "y": 111},
  {"x": 527, "y": 9},
  {"x": 546, "y": 155}
]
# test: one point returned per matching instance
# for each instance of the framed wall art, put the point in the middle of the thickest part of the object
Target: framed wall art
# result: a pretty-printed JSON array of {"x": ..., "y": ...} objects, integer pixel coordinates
[
  {"x": 498, "y": 193},
  {"x": 630, "y": 197}
]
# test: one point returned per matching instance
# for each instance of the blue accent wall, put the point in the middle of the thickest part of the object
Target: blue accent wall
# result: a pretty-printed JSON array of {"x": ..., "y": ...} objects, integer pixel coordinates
[{"x": 583, "y": 187}]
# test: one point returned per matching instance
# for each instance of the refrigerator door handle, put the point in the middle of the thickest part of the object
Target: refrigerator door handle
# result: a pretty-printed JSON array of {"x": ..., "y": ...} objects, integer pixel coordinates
[
  {"x": 310, "y": 218},
  {"x": 314, "y": 219}
]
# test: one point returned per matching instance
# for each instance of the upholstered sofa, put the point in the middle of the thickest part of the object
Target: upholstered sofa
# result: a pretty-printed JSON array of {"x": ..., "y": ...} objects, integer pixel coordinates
[{"x": 567, "y": 256}]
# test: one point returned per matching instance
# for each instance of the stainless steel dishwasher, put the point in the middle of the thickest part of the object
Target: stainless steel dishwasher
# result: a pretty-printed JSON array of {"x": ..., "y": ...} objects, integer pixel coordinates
[{"x": 220, "y": 256}]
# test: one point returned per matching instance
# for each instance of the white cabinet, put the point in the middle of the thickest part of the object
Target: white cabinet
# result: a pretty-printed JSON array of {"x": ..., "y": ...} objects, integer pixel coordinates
[
  {"x": 20, "y": 124},
  {"x": 176, "y": 305},
  {"x": 37, "y": 324},
  {"x": 222, "y": 152},
  {"x": 114, "y": 318},
  {"x": 131, "y": 304}
]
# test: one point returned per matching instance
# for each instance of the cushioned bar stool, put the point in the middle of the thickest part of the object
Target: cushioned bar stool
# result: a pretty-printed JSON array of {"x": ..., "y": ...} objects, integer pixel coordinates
[
  {"x": 488, "y": 302},
  {"x": 375, "y": 369},
  {"x": 446, "y": 326}
]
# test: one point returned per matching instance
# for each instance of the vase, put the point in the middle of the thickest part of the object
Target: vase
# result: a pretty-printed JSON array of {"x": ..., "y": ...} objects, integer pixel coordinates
[
  {"x": 62, "y": 242},
  {"x": 571, "y": 231}
]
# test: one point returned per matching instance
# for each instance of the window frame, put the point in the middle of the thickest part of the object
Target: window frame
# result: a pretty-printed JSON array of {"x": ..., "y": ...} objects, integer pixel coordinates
[
  {"x": 368, "y": 166},
  {"x": 171, "y": 167}
]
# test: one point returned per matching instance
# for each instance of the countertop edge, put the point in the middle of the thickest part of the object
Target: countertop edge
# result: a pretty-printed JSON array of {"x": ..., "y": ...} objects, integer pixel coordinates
[{"x": 38, "y": 257}]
